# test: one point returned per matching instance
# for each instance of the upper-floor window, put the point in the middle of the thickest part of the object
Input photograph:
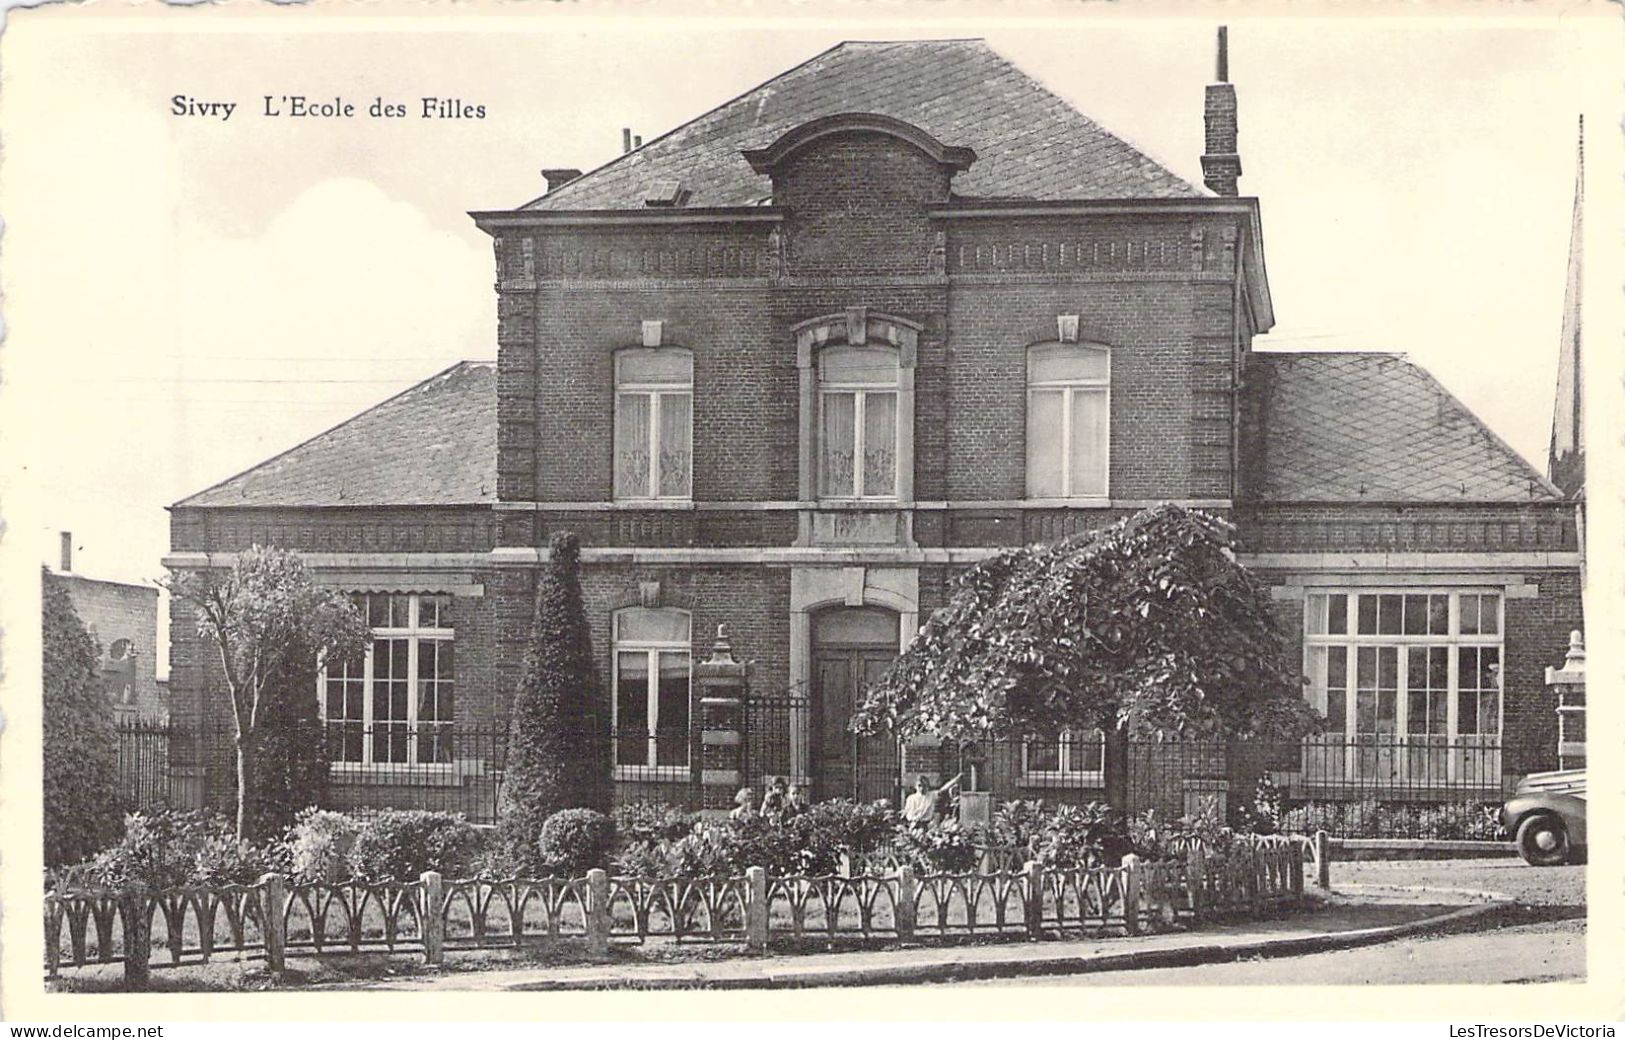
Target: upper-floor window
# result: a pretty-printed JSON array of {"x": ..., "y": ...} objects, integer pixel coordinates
[
  {"x": 654, "y": 408},
  {"x": 395, "y": 705},
  {"x": 651, "y": 671},
  {"x": 1068, "y": 420},
  {"x": 1408, "y": 663},
  {"x": 858, "y": 426}
]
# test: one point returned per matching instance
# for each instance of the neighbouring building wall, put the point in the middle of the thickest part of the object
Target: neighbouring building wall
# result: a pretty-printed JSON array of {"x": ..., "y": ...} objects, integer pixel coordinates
[{"x": 123, "y": 622}]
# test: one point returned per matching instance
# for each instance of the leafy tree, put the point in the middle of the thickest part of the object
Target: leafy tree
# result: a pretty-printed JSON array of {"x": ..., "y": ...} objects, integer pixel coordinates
[
  {"x": 291, "y": 750},
  {"x": 81, "y": 744},
  {"x": 1148, "y": 624},
  {"x": 266, "y": 619},
  {"x": 557, "y": 750}
]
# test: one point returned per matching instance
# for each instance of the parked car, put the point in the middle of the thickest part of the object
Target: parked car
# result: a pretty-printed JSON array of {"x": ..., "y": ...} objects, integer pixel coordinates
[{"x": 1546, "y": 817}]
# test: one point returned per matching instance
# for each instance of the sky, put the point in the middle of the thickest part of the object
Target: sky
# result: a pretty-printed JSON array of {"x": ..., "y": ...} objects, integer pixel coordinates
[{"x": 186, "y": 296}]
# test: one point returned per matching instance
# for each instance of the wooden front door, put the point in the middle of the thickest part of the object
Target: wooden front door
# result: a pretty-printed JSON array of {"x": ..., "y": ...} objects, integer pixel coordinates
[{"x": 852, "y": 648}]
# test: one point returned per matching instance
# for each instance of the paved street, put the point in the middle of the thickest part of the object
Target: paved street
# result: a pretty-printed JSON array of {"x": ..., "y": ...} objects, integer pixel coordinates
[{"x": 1544, "y": 940}]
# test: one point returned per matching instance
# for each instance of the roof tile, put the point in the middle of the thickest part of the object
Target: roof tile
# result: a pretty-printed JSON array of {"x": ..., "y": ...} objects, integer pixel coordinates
[
  {"x": 1370, "y": 427},
  {"x": 432, "y": 444},
  {"x": 1030, "y": 144}
]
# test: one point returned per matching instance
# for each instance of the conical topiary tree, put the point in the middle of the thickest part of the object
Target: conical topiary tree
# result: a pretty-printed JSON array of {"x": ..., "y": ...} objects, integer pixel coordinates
[
  {"x": 556, "y": 745},
  {"x": 81, "y": 744}
]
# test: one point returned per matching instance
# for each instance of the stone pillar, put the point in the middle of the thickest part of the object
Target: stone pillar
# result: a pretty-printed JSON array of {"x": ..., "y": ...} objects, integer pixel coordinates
[
  {"x": 1570, "y": 683},
  {"x": 904, "y": 910},
  {"x": 1131, "y": 894},
  {"x": 433, "y": 925},
  {"x": 756, "y": 909},
  {"x": 136, "y": 909},
  {"x": 274, "y": 925},
  {"x": 721, "y": 754},
  {"x": 598, "y": 922}
]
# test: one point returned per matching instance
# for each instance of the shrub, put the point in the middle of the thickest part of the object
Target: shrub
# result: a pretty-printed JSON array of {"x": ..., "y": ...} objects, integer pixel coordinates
[
  {"x": 318, "y": 845},
  {"x": 1263, "y": 814},
  {"x": 575, "y": 841},
  {"x": 1087, "y": 835},
  {"x": 705, "y": 851},
  {"x": 644, "y": 859},
  {"x": 829, "y": 830},
  {"x": 1018, "y": 825},
  {"x": 942, "y": 848},
  {"x": 81, "y": 789},
  {"x": 642, "y": 822},
  {"x": 556, "y": 752},
  {"x": 401, "y": 844},
  {"x": 177, "y": 847}
]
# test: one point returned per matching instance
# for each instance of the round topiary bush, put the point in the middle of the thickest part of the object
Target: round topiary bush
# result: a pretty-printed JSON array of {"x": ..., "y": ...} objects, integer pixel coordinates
[
  {"x": 399, "y": 845},
  {"x": 575, "y": 841}
]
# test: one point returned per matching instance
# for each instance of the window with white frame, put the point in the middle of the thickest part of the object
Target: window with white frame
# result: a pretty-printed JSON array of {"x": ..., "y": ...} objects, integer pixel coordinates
[
  {"x": 858, "y": 422},
  {"x": 1068, "y": 420},
  {"x": 1412, "y": 663},
  {"x": 654, "y": 408},
  {"x": 1070, "y": 760},
  {"x": 394, "y": 706},
  {"x": 651, "y": 679}
]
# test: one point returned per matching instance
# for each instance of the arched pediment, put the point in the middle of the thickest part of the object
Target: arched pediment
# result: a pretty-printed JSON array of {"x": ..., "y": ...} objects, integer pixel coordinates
[
  {"x": 857, "y": 326},
  {"x": 763, "y": 160}
]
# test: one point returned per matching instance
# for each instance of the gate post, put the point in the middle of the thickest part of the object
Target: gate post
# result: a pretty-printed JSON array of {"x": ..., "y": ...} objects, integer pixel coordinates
[
  {"x": 1196, "y": 876},
  {"x": 720, "y": 757},
  {"x": 1323, "y": 860}
]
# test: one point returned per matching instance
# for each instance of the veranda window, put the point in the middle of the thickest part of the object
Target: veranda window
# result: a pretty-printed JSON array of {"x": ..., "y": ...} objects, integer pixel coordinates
[
  {"x": 651, "y": 693},
  {"x": 395, "y": 705},
  {"x": 857, "y": 403},
  {"x": 1409, "y": 681},
  {"x": 654, "y": 404},
  {"x": 1070, "y": 760},
  {"x": 1068, "y": 420}
]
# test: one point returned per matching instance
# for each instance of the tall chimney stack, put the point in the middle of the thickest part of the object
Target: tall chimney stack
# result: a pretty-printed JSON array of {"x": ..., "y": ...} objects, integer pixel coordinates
[
  {"x": 626, "y": 139},
  {"x": 1221, "y": 165},
  {"x": 67, "y": 552}
]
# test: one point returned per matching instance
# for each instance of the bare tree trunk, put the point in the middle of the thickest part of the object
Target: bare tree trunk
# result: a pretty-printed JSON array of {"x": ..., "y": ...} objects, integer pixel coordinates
[
  {"x": 245, "y": 776},
  {"x": 1116, "y": 768}
]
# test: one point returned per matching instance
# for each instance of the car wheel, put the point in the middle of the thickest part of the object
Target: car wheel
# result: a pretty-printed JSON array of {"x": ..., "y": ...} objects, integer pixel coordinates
[{"x": 1543, "y": 840}]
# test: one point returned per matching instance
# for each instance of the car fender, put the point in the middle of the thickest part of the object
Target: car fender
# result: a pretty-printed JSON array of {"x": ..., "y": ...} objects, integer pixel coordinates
[{"x": 1572, "y": 809}]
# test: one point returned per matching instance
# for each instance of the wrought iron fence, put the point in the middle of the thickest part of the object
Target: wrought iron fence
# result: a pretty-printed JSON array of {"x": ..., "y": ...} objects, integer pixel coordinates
[
  {"x": 1350, "y": 786},
  {"x": 143, "y": 763}
]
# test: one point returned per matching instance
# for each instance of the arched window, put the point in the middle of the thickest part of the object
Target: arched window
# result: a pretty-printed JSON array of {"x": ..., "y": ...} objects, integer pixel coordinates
[
  {"x": 1068, "y": 420},
  {"x": 857, "y": 408},
  {"x": 654, "y": 406},
  {"x": 651, "y": 679}
]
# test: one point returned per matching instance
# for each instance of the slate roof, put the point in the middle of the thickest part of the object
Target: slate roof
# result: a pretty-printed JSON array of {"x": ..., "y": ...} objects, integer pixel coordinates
[
  {"x": 1029, "y": 143},
  {"x": 432, "y": 444},
  {"x": 1369, "y": 427}
]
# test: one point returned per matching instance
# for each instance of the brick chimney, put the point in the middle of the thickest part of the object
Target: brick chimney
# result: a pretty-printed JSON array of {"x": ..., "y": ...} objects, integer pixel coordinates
[
  {"x": 557, "y": 179},
  {"x": 1221, "y": 165},
  {"x": 67, "y": 552}
]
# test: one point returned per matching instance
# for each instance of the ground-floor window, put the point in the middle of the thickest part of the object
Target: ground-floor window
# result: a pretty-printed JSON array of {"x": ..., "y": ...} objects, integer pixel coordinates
[
  {"x": 1409, "y": 679},
  {"x": 394, "y": 706},
  {"x": 651, "y": 684},
  {"x": 1069, "y": 760}
]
